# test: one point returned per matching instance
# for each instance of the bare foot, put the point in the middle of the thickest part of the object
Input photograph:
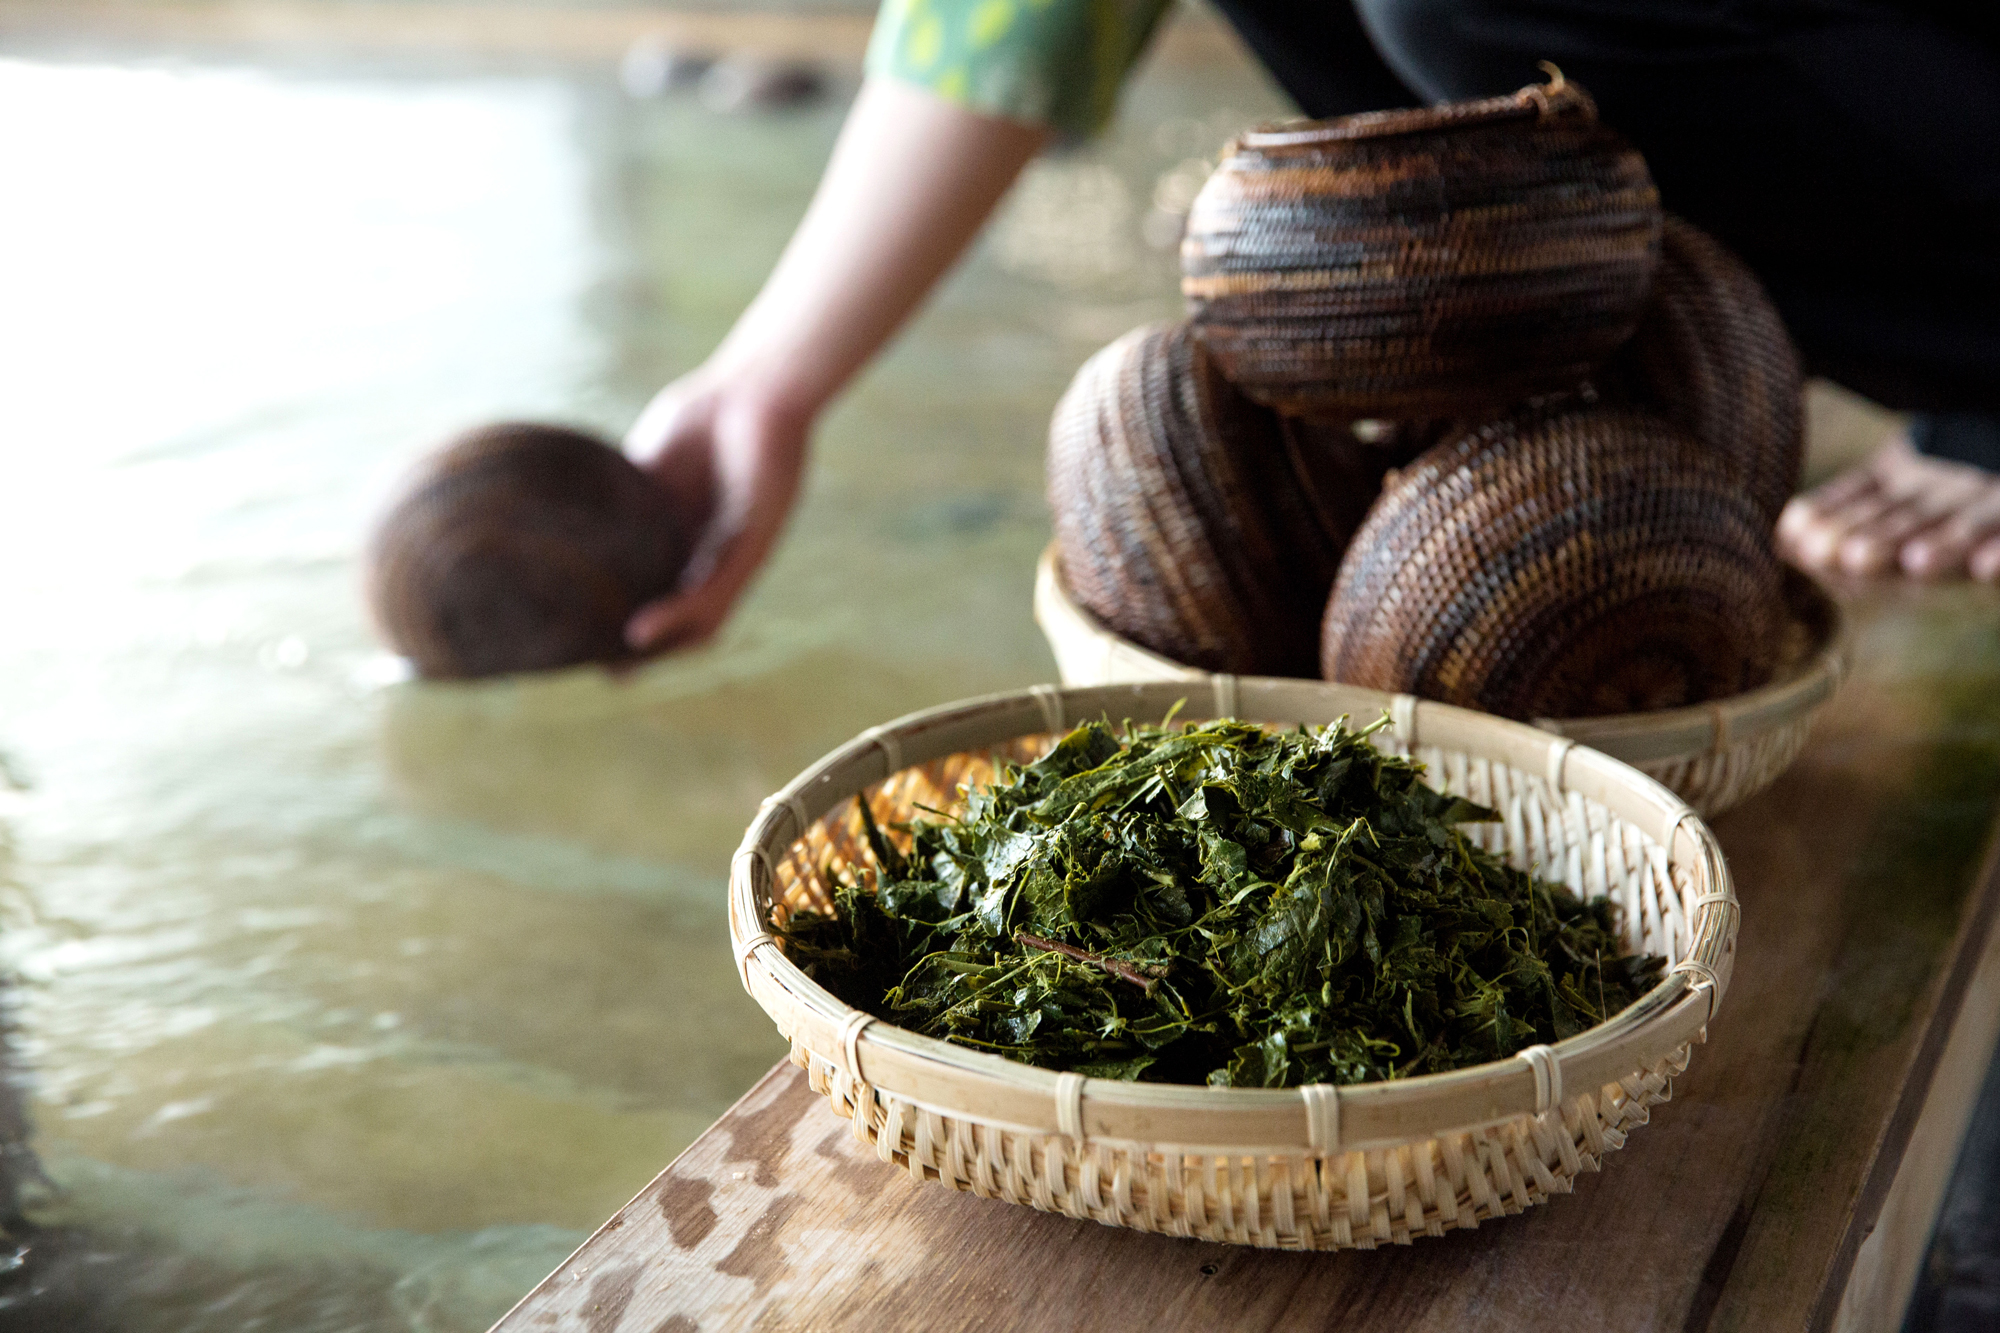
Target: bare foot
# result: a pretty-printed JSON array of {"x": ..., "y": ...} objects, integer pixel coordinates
[{"x": 1900, "y": 510}]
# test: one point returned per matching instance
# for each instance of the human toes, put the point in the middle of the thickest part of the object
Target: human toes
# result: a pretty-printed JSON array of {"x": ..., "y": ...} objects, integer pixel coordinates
[
  {"x": 1957, "y": 544},
  {"x": 1875, "y": 544},
  {"x": 1813, "y": 526},
  {"x": 1811, "y": 508},
  {"x": 1984, "y": 563}
]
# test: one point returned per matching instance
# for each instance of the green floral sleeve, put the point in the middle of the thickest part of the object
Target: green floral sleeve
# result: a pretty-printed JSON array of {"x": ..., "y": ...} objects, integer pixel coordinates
[{"x": 1051, "y": 62}]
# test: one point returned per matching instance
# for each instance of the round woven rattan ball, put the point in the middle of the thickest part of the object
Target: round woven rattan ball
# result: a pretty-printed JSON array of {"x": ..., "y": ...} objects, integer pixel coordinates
[
  {"x": 1711, "y": 355},
  {"x": 1191, "y": 519},
  {"x": 1455, "y": 259},
  {"x": 1574, "y": 564},
  {"x": 521, "y": 547}
]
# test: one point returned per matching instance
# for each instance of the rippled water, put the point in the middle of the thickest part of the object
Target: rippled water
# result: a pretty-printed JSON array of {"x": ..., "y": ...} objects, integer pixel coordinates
[{"x": 344, "y": 1003}]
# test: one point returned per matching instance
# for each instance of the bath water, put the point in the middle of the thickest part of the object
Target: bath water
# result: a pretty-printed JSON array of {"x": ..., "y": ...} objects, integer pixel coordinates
[{"x": 341, "y": 1002}]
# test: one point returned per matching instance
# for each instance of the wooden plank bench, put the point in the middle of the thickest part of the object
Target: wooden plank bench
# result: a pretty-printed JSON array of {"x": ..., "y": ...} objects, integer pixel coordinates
[{"x": 1791, "y": 1183}]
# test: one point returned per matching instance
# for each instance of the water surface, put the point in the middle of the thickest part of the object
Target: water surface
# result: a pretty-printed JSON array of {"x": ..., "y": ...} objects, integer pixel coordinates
[{"x": 344, "y": 1003}]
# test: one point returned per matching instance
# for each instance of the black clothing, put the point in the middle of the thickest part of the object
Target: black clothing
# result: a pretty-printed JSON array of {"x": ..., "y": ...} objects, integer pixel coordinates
[{"x": 1962, "y": 437}]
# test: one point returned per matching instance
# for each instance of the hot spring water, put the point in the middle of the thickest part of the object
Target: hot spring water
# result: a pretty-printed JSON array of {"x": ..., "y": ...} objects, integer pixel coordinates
[{"x": 344, "y": 1003}]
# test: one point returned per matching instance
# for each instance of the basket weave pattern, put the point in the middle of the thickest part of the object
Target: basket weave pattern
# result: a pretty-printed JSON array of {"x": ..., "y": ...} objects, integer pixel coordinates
[
  {"x": 1713, "y": 757},
  {"x": 1406, "y": 264},
  {"x": 1308, "y": 1168},
  {"x": 1711, "y": 354},
  {"x": 1354, "y": 1200},
  {"x": 1584, "y": 562},
  {"x": 1720, "y": 779},
  {"x": 521, "y": 547},
  {"x": 1586, "y": 528},
  {"x": 1190, "y": 516}
]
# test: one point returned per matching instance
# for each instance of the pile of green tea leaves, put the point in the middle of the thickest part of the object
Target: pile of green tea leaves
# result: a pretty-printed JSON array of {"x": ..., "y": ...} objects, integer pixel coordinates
[{"x": 1218, "y": 904}]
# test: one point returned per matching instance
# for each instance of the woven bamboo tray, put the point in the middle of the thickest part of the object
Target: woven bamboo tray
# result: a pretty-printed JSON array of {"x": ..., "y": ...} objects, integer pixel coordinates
[
  {"x": 1319, "y": 1167},
  {"x": 1714, "y": 755}
]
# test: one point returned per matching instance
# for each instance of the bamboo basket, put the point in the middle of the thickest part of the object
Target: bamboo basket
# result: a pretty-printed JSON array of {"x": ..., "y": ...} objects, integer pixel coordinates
[
  {"x": 1318, "y": 1167},
  {"x": 1714, "y": 755}
]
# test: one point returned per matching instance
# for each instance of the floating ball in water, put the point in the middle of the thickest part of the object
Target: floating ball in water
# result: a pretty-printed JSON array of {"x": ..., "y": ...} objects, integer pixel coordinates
[{"x": 522, "y": 547}]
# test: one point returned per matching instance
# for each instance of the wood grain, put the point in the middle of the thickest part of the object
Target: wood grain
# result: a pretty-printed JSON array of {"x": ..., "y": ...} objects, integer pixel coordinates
[
  {"x": 1888, "y": 1257},
  {"x": 1773, "y": 1178}
]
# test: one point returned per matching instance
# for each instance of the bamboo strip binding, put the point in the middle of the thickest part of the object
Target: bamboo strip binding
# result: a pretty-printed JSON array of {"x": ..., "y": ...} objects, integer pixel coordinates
[{"x": 1300, "y": 1168}]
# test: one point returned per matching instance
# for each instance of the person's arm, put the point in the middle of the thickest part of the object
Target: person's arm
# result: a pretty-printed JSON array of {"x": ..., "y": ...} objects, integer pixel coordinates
[{"x": 912, "y": 179}]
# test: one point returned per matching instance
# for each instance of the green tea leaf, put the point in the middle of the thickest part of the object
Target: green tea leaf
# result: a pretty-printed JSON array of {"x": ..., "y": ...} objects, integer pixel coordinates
[{"x": 1217, "y": 903}]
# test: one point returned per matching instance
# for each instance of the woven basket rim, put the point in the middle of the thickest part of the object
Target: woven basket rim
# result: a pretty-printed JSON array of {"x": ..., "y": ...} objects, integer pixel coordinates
[
  {"x": 1635, "y": 738},
  {"x": 1536, "y": 102},
  {"x": 991, "y": 1089}
]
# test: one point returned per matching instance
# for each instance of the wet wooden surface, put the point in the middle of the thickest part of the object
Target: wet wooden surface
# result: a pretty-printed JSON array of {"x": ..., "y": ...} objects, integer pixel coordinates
[{"x": 1790, "y": 1184}]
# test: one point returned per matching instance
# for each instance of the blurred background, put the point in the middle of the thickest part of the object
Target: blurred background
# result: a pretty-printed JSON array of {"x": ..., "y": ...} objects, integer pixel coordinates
[{"x": 342, "y": 1003}]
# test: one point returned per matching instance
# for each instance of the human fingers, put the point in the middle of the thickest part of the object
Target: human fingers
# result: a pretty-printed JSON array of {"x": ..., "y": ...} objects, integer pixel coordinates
[
  {"x": 1810, "y": 510},
  {"x": 1984, "y": 562},
  {"x": 679, "y": 620},
  {"x": 693, "y": 613},
  {"x": 1875, "y": 545},
  {"x": 753, "y": 461}
]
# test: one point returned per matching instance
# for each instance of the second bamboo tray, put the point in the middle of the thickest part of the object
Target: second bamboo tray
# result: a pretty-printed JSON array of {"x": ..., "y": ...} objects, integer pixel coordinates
[{"x": 1713, "y": 755}]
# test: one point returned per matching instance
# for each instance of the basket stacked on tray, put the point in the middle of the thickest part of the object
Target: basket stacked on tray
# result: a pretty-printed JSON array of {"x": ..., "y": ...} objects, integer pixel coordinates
[{"x": 1456, "y": 411}]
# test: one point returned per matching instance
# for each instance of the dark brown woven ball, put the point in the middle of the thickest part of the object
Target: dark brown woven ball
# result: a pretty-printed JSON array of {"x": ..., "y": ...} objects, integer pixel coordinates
[
  {"x": 1451, "y": 260},
  {"x": 1193, "y": 521},
  {"x": 1574, "y": 564},
  {"x": 1711, "y": 355},
  {"x": 521, "y": 547}
]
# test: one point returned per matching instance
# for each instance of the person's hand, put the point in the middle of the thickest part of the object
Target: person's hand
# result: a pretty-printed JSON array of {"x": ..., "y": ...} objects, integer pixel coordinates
[
  {"x": 730, "y": 459},
  {"x": 912, "y": 179}
]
